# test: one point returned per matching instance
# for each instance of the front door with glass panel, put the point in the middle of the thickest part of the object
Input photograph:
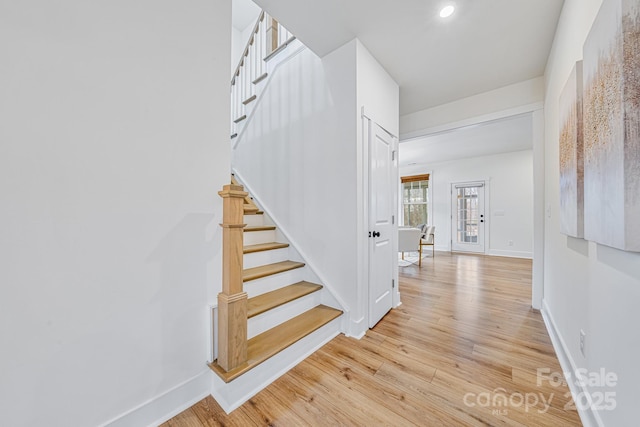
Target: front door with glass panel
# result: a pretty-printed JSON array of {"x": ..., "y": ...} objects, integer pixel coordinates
[{"x": 467, "y": 217}]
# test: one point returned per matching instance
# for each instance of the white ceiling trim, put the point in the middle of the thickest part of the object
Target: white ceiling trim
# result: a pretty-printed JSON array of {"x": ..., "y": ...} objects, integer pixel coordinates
[{"x": 473, "y": 121}]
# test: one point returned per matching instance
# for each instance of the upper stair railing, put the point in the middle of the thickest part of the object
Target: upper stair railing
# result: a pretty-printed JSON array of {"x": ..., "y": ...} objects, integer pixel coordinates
[{"x": 267, "y": 39}]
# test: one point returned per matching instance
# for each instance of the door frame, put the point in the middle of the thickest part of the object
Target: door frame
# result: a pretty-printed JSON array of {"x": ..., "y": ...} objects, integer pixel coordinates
[
  {"x": 360, "y": 317},
  {"x": 540, "y": 214},
  {"x": 373, "y": 312},
  {"x": 487, "y": 216}
]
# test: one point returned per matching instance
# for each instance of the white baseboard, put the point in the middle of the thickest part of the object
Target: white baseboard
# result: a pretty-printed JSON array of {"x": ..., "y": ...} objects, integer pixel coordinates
[
  {"x": 166, "y": 405},
  {"x": 589, "y": 417},
  {"x": 356, "y": 328},
  {"x": 358, "y": 337},
  {"x": 510, "y": 254}
]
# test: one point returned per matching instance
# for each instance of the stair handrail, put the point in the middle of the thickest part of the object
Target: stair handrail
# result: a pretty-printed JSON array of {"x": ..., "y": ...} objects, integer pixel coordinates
[{"x": 256, "y": 28}]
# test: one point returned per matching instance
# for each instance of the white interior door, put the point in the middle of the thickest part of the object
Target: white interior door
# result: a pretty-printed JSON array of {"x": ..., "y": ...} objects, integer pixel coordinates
[
  {"x": 467, "y": 217},
  {"x": 382, "y": 209}
]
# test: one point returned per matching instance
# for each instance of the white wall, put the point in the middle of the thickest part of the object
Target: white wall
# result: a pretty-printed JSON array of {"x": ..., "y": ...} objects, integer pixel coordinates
[
  {"x": 302, "y": 156},
  {"x": 298, "y": 156},
  {"x": 509, "y": 99},
  {"x": 588, "y": 286},
  {"x": 378, "y": 95},
  {"x": 509, "y": 191},
  {"x": 114, "y": 143}
]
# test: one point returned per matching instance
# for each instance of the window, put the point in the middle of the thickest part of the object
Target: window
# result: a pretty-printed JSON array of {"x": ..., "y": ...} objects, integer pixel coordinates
[
  {"x": 415, "y": 200},
  {"x": 467, "y": 214}
]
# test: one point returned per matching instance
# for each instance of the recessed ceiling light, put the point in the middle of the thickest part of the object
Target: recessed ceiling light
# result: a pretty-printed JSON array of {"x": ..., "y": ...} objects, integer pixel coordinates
[{"x": 447, "y": 11}]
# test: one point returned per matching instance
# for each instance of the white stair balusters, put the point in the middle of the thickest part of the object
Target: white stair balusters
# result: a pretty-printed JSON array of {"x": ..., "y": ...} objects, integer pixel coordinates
[{"x": 267, "y": 39}]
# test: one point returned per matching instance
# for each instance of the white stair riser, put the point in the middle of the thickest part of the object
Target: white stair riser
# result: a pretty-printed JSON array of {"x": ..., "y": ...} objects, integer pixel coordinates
[
  {"x": 231, "y": 395},
  {"x": 272, "y": 318},
  {"x": 257, "y": 237},
  {"x": 273, "y": 282},
  {"x": 258, "y": 259},
  {"x": 254, "y": 219}
]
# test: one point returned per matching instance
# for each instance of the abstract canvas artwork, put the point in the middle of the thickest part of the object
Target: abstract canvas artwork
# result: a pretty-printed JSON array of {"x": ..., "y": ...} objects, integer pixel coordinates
[
  {"x": 611, "y": 113},
  {"x": 571, "y": 156}
]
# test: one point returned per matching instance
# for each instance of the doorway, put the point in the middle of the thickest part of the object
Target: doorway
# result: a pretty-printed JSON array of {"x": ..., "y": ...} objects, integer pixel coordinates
[
  {"x": 383, "y": 171},
  {"x": 468, "y": 217}
]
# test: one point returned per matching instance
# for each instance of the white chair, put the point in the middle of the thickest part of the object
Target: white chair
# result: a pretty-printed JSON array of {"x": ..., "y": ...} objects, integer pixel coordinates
[
  {"x": 428, "y": 238},
  {"x": 409, "y": 240}
]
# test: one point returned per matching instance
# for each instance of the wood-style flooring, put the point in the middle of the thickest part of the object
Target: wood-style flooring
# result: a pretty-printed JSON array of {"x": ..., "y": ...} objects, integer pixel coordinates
[{"x": 463, "y": 349}]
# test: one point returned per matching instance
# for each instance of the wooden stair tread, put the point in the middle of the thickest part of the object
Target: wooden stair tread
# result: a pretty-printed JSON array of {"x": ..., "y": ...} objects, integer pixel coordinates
[
  {"x": 260, "y": 78},
  {"x": 273, "y": 341},
  {"x": 264, "y": 247},
  {"x": 250, "y": 99},
  {"x": 267, "y": 301},
  {"x": 250, "y": 208},
  {"x": 269, "y": 269},
  {"x": 251, "y": 228}
]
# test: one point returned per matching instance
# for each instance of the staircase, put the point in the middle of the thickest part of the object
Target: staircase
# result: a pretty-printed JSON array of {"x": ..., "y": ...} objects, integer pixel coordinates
[
  {"x": 270, "y": 299},
  {"x": 272, "y": 311},
  {"x": 267, "y": 39}
]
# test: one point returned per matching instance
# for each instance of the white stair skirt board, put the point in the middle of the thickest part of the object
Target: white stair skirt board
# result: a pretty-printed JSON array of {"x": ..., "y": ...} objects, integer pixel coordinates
[
  {"x": 253, "y": 220},
  {"x": 233, "y": 394},
  {"x": 257, "y": 259},
  {"x": 589, "y": 417},
  {"x": 311, "y": 272},
  {"x": 275, "y": 281},
  {"x": 272, "y": 318},
  {"x": 248, "y": 109},
  {"x": 257, "y": 237}
]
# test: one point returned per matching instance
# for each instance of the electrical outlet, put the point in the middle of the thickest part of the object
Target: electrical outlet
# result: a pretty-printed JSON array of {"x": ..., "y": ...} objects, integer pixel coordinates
[{"x": 583, "y": 335}]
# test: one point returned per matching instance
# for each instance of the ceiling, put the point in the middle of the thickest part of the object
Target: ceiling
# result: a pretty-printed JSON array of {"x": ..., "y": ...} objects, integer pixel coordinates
[
  {"x": 484, "y": 45},
  {"x": 511, "y": 134}
]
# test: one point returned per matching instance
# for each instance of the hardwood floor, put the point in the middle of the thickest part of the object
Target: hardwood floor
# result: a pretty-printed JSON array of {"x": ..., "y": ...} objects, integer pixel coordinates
[{"x": 462, "y": 350}]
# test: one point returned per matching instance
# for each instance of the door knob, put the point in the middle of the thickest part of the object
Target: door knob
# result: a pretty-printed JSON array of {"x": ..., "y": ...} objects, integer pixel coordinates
[{"x": 376, "y": 234}]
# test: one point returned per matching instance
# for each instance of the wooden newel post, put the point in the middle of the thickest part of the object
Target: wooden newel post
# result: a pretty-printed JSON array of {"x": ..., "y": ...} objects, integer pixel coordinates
[
  {"x": 232, "y": 301},
  {"x": 272, "y": 35}
]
